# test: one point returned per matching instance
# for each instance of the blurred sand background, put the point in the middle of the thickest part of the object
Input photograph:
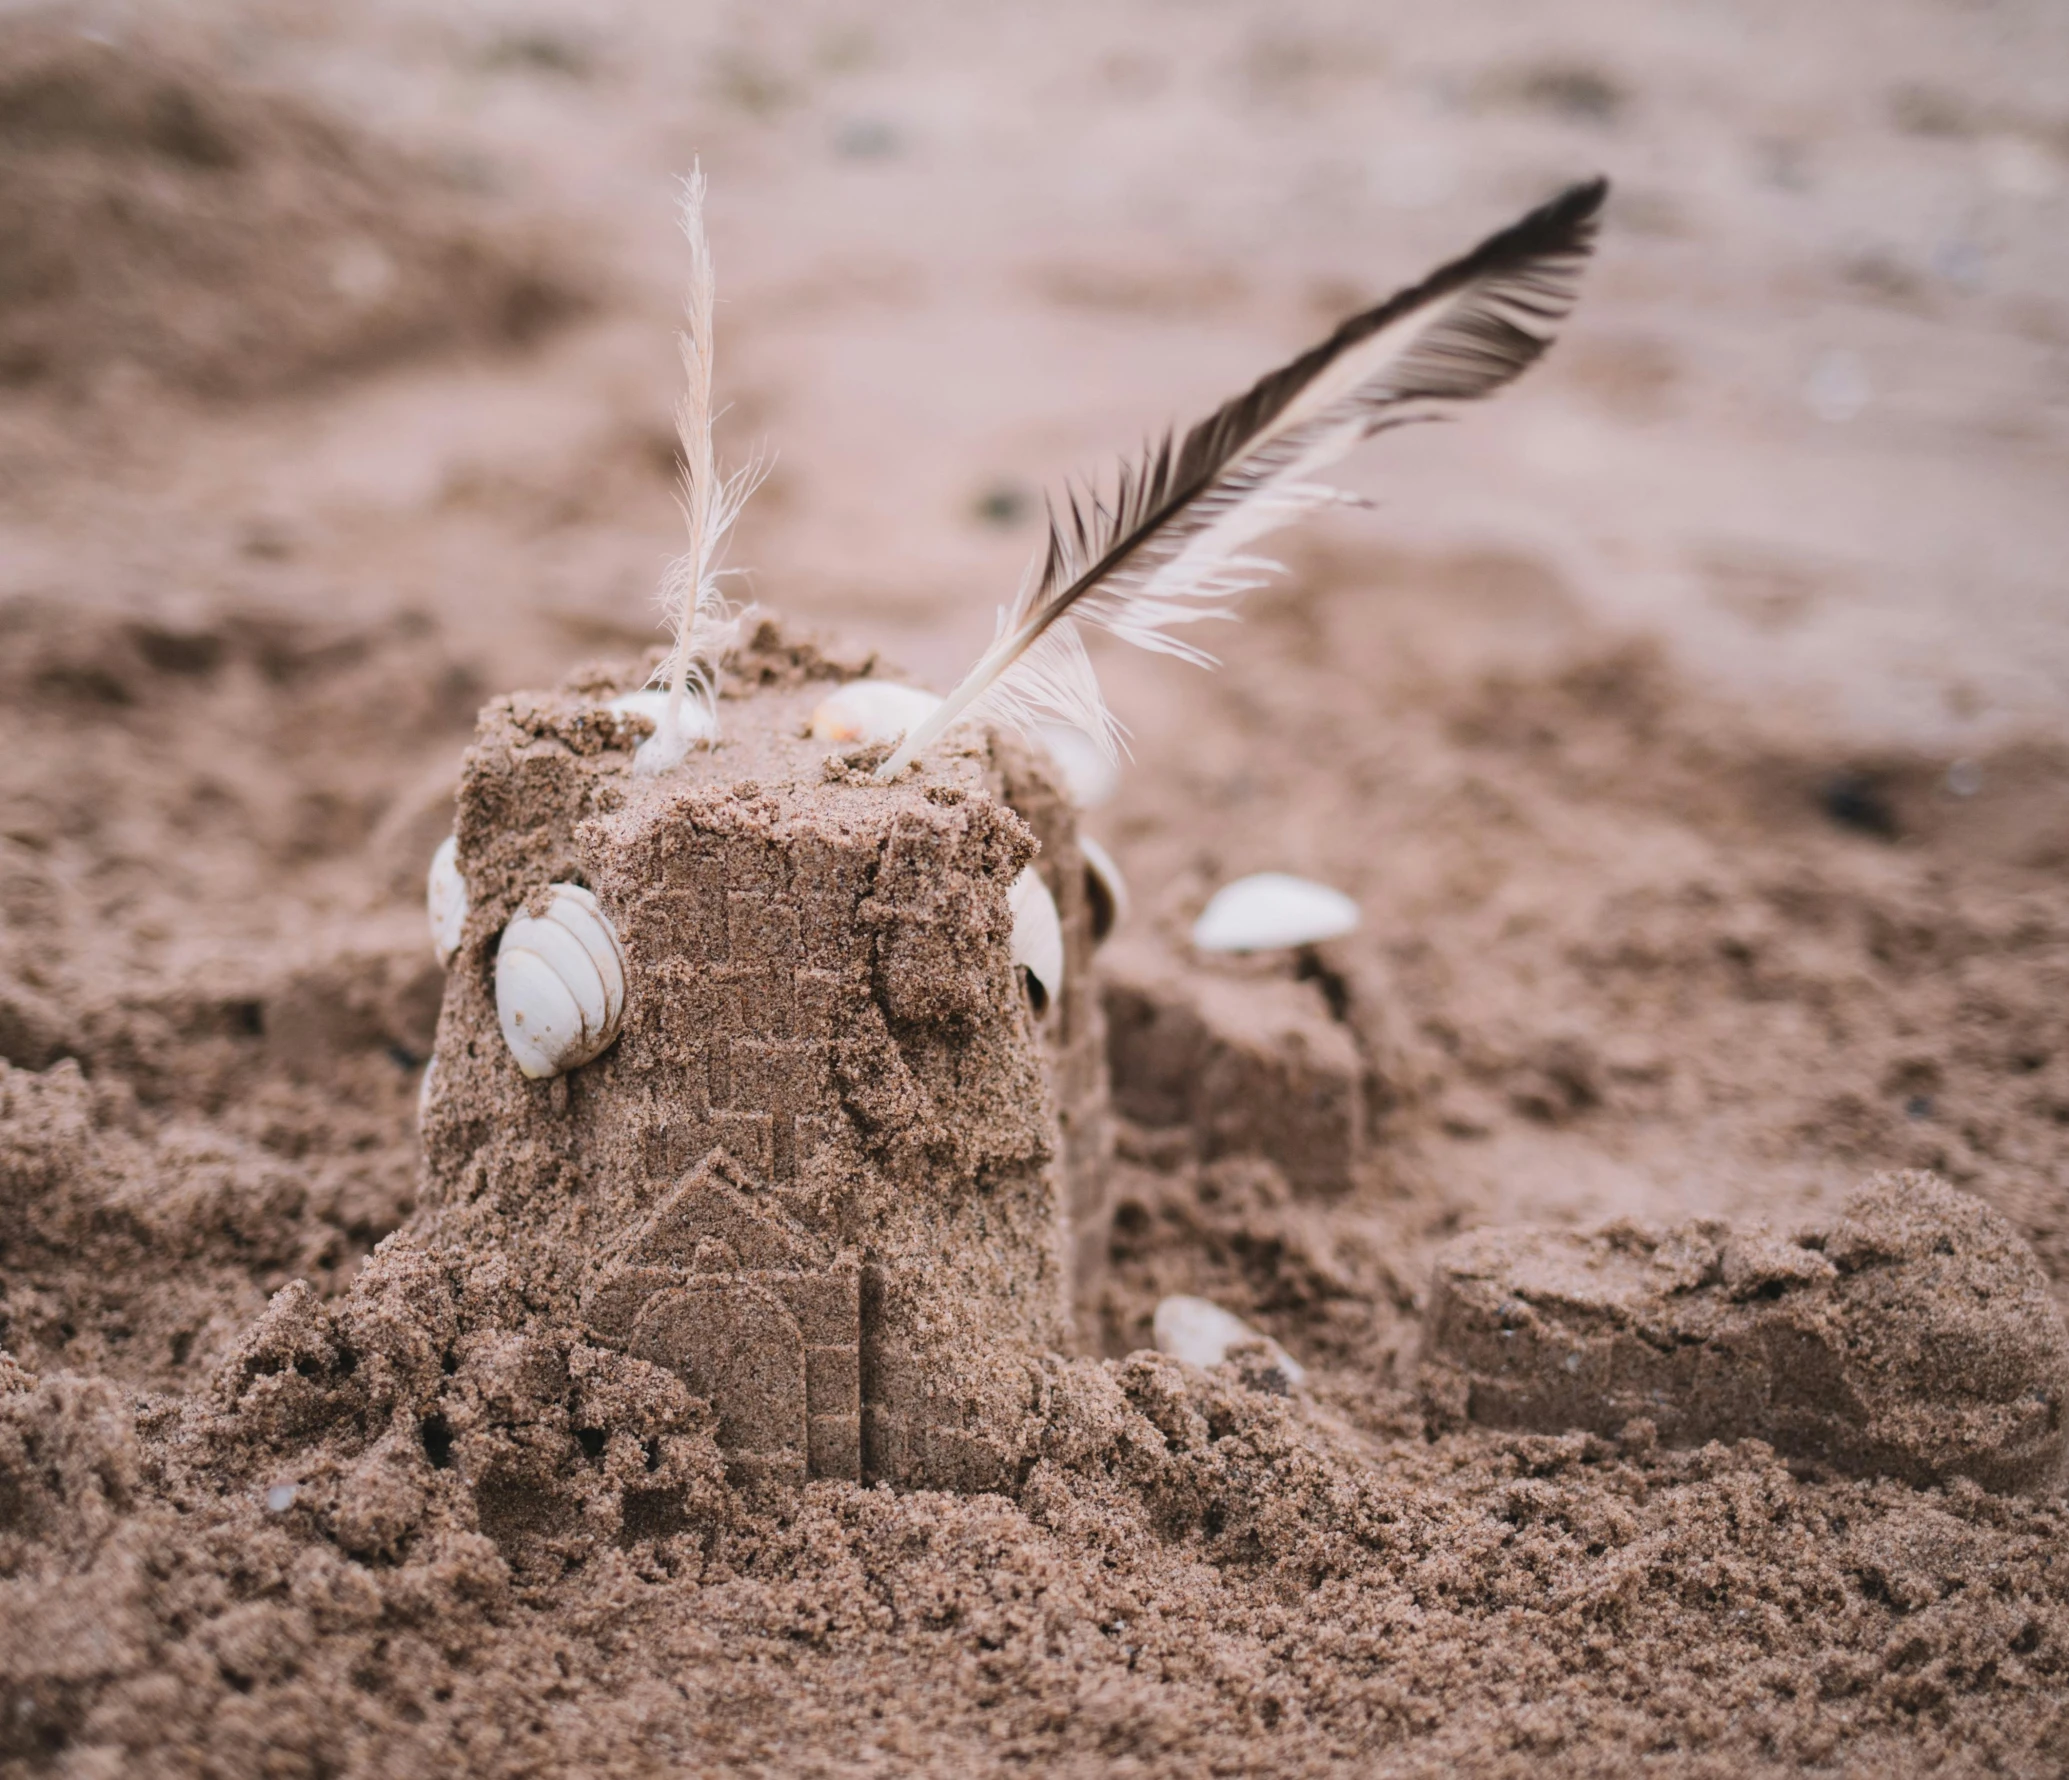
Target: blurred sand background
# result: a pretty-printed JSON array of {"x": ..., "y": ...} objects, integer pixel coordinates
[{"x": 1809, "y": 424}]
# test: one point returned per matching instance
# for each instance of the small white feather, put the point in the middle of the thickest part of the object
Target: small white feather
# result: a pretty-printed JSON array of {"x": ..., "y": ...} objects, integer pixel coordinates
[{"x": 706, "y": 627}]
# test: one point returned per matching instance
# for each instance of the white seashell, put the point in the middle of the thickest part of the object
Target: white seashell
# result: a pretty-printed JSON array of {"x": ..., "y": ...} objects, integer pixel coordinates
[
  {"x": 560, "y": 984},
  {"x": 1037, "y": 938},
  {"x": 1090, "y": 778},
  {"x": 1201, "y": 1333},
  {"x": 871, "y": 711},
  {"x": 669, "y": 743},
  {"x": 648, "y": 701},
  {"x": 1105, "y": 889},
  {"x": 445, "y": 899},
  {"x": 1270, "y": 910}
]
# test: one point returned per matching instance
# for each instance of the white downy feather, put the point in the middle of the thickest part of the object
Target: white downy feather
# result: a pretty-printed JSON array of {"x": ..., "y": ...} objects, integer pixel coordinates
[{"x": 705, "y": 626}]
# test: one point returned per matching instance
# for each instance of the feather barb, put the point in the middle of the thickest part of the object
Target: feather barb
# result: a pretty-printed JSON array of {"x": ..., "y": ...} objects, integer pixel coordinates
[
  {"x": 1168, "y": 545},
  {"x": 705, "y": 626}
]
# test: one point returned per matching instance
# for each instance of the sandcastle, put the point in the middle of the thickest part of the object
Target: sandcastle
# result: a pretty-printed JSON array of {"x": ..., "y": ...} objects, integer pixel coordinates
[
  {"x": 837, "y": 1172},
  {"x": 786, "y": 1125}
]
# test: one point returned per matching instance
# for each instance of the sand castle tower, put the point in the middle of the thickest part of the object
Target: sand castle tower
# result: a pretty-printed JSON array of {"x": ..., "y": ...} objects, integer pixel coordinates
[
  {"x": 787, "y": 1123},
  {"x": 836, "y": 1167}
]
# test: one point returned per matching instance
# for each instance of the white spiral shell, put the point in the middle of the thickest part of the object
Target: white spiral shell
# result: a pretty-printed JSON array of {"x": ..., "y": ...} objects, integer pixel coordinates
[
  {"x": 560, "y": 984},
  {"x": 871, "y": 711},
  {"x": 1037, "y": 937},
  {"x": 445, "y": 899}
]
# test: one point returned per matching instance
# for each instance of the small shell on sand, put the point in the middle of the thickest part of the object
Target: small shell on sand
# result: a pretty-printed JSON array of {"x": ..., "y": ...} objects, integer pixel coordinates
[
  {"x": 1105, "y": 889},
  {"x": 560, "y": 983},
  {"x": 669, "y": 742},
  {"x": 1089, "y": 776},
  {"x": 1270, "y": 910},
  {"x": 1037, "y": 937},
  {"x": 871, "y": 711},
  {"x": 445, "y": 899},
  {"x": 1201, "y": 1333}
]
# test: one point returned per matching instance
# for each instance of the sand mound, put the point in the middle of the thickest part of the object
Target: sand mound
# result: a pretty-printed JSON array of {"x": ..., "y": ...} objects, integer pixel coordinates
[
  {"x": 1915, "y": 1336},
  {"x": 225, "y": 241},
  {"x": 1194, "y": 1576},
  {"x": 401, "y": 1520},
  {"x": 199, "y": 1103}
]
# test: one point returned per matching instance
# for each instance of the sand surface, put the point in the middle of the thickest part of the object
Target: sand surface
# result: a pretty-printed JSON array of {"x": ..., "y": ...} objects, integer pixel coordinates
[{"x": 1689, "y": 726}]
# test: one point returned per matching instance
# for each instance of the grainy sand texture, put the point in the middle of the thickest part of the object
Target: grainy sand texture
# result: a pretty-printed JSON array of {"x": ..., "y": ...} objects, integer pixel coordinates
[{"x": 1664, "y": 1193}]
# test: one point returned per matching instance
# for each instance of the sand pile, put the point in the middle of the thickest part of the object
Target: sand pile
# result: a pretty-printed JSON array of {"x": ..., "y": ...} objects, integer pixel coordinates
[
  {"x": 1251, "y": 1061},
  {"x": 1913, "y": 1337},
  {"x": 212, "y": 1016},
  {"x": 1191, "y": 1574},
  {"x": 155, "y": 215}
]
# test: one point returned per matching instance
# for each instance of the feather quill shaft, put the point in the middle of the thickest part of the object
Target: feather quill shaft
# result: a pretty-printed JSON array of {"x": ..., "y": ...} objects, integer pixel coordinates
[
  {"x": 1166, "y": 547},
  {"x": 704, "y": 625}
]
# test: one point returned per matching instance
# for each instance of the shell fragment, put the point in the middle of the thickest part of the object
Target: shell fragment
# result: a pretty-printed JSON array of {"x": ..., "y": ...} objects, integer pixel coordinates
[
  {"x": 871, "y": 711},
  {"x": 1037, "y": 938},
  {"x": 670, "y": 741},
  {"x": 560, "y": 983},
  {"x": 445, "y": 899},
  {"x": 1090, "y": 774},
  {"x": 1105, "y": 889},
  {"x": 1201, "y": 1333},
  {"x": 1270, "y": 910}
]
